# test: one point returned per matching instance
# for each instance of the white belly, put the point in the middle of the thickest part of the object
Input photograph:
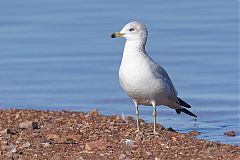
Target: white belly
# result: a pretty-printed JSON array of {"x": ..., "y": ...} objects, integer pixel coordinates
[{"x": 142, "y": 86}]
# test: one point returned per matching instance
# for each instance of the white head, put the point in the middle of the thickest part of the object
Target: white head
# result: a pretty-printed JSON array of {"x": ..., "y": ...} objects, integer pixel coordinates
[{"x": 133, "y": 31}]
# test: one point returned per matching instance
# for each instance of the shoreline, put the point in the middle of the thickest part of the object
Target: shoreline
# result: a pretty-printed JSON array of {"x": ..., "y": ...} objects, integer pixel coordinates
[{"x": 39, "y": 134}]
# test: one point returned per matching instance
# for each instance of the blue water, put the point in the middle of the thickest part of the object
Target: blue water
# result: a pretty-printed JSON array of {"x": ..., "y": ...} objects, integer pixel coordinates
[{"x": 59, "y": 55}]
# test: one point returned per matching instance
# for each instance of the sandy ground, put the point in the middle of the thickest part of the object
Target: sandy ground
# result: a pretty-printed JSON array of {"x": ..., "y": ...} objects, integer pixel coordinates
[{"x": 60, "y": 135}]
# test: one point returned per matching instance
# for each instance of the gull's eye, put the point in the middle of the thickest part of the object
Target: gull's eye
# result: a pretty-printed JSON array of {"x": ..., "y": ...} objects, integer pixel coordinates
[{"x": 131, "y": 29}]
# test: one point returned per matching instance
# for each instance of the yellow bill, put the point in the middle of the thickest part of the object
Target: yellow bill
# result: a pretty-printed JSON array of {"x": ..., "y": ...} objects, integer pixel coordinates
[{"x": 116, "y": 35}]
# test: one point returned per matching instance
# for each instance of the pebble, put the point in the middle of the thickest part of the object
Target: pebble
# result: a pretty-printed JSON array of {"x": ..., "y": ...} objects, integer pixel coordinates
[
  {"x": 8, "y": 131},
  {"x": 73, "y": 138},
  {"x": 230, "y": 133},
  {"x": 149, "y": 153},
  {"x": 100, "y": 144},
  {"x": 5, "y": 131},
  {"x": 4, "y": 147},
  {"x": 174, "y": 138},
  {"x": 101, "y": 154},
  {"x": 171, "y": 129},
  {"x": 29, "y": 124},
  {"x": 94, "y": 113},
  {"x": 139, "y": 137},
  {"x": 122, "y": 156},
  {"x": 207, "y": 145},
  {"x": 15, "y": 156},
  {"x": 46, "y": 144},
  {"x": 4, "y": 141},
  {"x": 13, "y": 148},
  {"x": 80, "y": 158},
  {"x": 53, "y": 137},
  {"x": 56, "y": 157},
  {"x": 9, "y": 155},
  {"x": 127, "y": 144},
  {"x": 194, "y": 133},
  {"x": 26, "y": 145},
  {"x": 161, "y": 127}
]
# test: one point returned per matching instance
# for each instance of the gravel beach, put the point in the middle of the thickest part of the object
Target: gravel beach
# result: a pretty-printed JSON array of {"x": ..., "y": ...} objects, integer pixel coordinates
[{"x": 63, "y": 135}]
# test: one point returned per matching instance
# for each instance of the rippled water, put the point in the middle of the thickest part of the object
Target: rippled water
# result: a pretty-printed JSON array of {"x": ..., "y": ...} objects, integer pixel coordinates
[{"x": 59, "y": 55}]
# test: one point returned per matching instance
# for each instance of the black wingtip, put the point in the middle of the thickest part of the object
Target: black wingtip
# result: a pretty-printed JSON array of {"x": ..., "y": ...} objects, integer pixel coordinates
[
  {"x": 184, "y": 110},
  {"x": 178, "y": 111},
  {"x": 182, "y": 103}
]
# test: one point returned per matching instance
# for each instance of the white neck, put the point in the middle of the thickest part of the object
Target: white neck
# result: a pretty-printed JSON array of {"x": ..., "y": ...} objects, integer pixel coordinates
[{"x": 135, "y": 46}]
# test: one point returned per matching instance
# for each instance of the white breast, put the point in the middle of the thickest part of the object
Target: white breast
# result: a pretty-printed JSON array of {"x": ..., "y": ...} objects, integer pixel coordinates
[{"x": 139, "y": 82}]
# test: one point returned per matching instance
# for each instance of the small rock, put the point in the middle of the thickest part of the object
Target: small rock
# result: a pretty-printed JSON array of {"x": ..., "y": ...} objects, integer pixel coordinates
[
  {"x": 73, "y": 138},
  {"x": 4, "y": 141},
  {"x": 127, "y": 144},
  {"x": 208, "y": 144},
  {"x": 94, "y": 113},
  {"x": 15, "y": 156},
  {"x": 26, "y": 145},
  {"x": 139, "y": 137},
  {"x": 35, "y": 125},
  {"x": 46, "y": 144},
  {"x": 161, "y": 127},
  {"x": 17, "y": 116},
  {"x": 28, "y": 124},
  {"x": 230, "y": 133},
  {"x": 4, "y": 147},
  {"x": 7, "y": 131},
  {"x": 101, "y": 154},
  {"x": 149, "y": 153},
  {"x": 80, "y": 158},
  {"x": 130, "y": 119},
  {"x": 171, "y": 129},
  {"x": 53, "y": 137},
  {"x": 56, "y": 157},
  {"x": 100, "y": 144},
  {"x": 194, "y": 133},
  {"x": 9, "y": 155},
  {"x": 174, "y": 138},
  {"x": 88, "y": 146},
  {"x": 13, "y": 148},
  {"x": 122, "y": 157}
]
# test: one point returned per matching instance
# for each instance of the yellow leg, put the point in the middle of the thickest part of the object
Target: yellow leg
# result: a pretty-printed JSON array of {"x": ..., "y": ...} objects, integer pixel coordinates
[
  {"x": 137, "y": 116},
  {"x": 154, "y": 118}
]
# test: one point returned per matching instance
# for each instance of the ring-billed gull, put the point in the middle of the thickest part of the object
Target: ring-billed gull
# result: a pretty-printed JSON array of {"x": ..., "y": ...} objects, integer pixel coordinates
[{"x": 144, "y": 80}]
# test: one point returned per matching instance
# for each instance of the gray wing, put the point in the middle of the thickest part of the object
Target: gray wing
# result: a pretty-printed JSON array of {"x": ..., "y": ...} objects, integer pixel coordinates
[{"x": 162, "y": 74}]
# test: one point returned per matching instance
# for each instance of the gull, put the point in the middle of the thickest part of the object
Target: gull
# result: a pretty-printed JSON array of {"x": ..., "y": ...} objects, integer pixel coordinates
[{"x": 143, "y": 79}]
